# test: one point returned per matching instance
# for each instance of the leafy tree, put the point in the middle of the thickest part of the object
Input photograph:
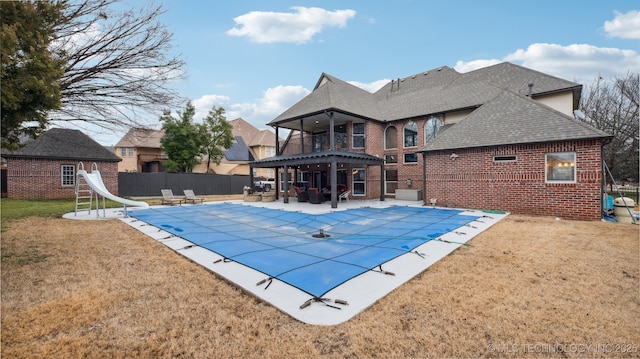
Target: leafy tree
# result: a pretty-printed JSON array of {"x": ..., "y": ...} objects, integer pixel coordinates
[
  {"x": 30, "y": 76},
  {"x": 119, "y": 64},
  {"x": 219, "y": 136},
  {"x": 183, "y": 139},
  {"x": 613, "y": 106}
]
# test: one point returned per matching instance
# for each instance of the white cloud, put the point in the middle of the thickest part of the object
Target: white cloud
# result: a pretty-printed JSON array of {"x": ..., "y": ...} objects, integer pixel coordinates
[
  {"x": 274, "y": 101},
  {"x": 576, "y": 62},
  {"x": 462, "y": 66},
  {"x": 298, "y": 27},
  {"x": 625, "y": 26},
  {"x": 371, "y": 86}
]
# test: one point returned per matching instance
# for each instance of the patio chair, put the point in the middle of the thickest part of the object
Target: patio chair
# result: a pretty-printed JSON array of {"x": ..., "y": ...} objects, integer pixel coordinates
[
  {"x": 315, "y": 196},
  {"x": 302, "y": 195},
  {"x": 344, "y": 195},
  {"x": 189, "y": 196},
  {"x": 169, "y": 198}
]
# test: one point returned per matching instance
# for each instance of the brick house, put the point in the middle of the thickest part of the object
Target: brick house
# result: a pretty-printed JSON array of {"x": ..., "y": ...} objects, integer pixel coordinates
[
  {"x": 45, "y": 168},
  {"x": 501, "y": 137}
]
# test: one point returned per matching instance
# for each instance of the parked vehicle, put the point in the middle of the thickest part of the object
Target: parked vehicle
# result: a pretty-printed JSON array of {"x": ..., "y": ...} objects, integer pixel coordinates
[{"x": 264, "y": 185}]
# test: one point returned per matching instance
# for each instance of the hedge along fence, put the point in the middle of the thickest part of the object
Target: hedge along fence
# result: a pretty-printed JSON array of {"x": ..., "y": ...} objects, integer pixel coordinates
[{"x": 150, "y": 184}]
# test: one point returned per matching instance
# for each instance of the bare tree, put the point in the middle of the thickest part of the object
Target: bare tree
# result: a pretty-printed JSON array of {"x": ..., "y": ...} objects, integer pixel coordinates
[
  {"x": 613, "y": 106},
  {"x": 119, "y": 64}
]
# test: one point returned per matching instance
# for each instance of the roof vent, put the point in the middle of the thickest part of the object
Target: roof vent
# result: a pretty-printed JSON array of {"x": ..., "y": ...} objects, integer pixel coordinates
[{"x": 530, "y": 89}]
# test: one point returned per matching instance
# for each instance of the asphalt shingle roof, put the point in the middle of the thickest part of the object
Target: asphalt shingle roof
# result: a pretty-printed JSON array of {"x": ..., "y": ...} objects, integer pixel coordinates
[
  {"x": 60, "y": 143},
  {"x": 509, "y": 118},
  {"x": 497, "y": 94}
]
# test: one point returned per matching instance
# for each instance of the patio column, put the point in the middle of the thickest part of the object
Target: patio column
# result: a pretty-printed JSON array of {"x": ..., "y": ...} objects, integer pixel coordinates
[
  {"x": 285, "y": 198},
  {"x": 301, "y": 136},
  {"x": 382, "y": 183},
  {"x": 334, "y": 183},
  {"x": 332, "y": 140},
  {"x": 251, "y": 177},
  {"x": 277, "y": 143}
]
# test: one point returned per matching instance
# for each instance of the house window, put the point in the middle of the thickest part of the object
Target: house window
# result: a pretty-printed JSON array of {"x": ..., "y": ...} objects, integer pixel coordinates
[
  {"x": 359, "y": 181},
  {"x": 431, "y": 129},
  {"x": 411, "y": 157},
  {"x": 505, "y": 158},
  {"x": 560, "y": 167},
  {"x": 391, "y": 159},
  {"x": 123, "y": 152},
  {"x": 68, "y": 173},
  {"x": 410, "y": 134},
  {"x": 319, "y": 142},
  {"x": 390, "y": 138},
  {"x": 130, "y": 151},
  {"x": 358, "y": 135},
  {"x": 303, "y": 179},
  {"x": 269, "y": 151},
  {"x": 340, "y": 136},
  {"x": 390, "y": 181}
]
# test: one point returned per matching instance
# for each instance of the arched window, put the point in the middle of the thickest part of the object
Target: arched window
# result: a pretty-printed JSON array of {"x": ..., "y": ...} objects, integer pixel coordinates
[
  {"x": 410, "y": 134},
  {"x": 390, "y": 138},
  {"x": 431, "y": 128}
]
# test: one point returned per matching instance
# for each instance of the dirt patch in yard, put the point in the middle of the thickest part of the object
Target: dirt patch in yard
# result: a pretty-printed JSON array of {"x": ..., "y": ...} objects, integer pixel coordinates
[{"x": 529, "y": 286}]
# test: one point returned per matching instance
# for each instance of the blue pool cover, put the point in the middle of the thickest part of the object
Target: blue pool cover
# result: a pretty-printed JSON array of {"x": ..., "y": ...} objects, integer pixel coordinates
[{"x": 281, "y": 244}]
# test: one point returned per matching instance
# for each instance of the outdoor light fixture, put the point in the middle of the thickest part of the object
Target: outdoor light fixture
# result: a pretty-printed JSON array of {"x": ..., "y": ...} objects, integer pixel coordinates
[{"x": 453, "y": 156}]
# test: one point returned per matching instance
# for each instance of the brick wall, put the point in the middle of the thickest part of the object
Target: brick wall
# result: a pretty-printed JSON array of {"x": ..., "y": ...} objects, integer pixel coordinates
[
  {"x": 42, "y": 179},
  {"x": 474, "y": 180}
]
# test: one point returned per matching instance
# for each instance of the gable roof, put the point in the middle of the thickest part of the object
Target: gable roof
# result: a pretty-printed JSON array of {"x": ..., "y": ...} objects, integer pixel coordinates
[
  {"x": 141, "y": 137},
  {"x": 238, "y": 151},
  {"x": 435, "y": 91},
  {"x": 332, "y": 93},
  {"x": 61, "y": 143},
  {"x": 510, "y": 118}
]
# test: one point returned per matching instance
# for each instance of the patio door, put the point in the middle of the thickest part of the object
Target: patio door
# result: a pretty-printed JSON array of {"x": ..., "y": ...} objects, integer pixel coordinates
[{"x": 317, "y": 180}]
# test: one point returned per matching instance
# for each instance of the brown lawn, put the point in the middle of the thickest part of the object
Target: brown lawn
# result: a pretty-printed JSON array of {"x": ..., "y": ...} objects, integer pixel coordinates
[{"x": 528, "y": 287}]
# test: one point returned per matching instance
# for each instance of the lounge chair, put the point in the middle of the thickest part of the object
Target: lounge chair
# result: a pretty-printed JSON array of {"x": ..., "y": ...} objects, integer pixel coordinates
[
  {"x": 189, "y": 196},
  {"x": 344, "y": 195},
  {"x": 302, "y": 195},
  {"x": 169, "y": 198},
  {"x": 315, "y": 196}
]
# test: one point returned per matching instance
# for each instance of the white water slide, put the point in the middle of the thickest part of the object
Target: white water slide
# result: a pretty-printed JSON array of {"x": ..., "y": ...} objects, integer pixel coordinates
[{"x": 94, "y": 181}]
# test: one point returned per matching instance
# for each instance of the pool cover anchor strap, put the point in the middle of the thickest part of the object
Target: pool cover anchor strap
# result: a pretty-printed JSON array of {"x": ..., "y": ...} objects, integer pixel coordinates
[
  {"x": 223, "y": 259},
  {"x": 324, "y": 301},
  {"x": 382, "y": 271},
  {"x": 452, "y": 242},
  {"x": 270, "y": 280},
  {"x": 421, "y": 255}
]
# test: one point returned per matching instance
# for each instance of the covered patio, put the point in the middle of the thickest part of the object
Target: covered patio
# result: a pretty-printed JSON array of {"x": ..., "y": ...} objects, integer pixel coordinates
[{"x": 331, "y": 160}]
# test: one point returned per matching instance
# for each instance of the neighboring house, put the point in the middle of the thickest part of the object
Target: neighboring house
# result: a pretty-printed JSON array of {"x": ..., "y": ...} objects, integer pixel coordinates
[
  {"x": 141, "y": 151},
  {"x": 45, "y": 168},
  {"x": 502, "y": 137},
  {"x": 251, "y": 144}
]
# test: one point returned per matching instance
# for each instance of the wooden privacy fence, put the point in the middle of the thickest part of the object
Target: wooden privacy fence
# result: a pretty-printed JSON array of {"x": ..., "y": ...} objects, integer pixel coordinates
[{"x": 150, "y": 184}]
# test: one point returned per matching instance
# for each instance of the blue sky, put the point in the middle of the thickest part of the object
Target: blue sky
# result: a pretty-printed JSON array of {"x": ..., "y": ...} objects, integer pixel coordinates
[{"x": 257, "y": 58}]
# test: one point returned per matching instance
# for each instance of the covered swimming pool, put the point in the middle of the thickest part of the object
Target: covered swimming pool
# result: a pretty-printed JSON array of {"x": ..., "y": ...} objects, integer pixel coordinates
[{"x": 311, "y": 260}]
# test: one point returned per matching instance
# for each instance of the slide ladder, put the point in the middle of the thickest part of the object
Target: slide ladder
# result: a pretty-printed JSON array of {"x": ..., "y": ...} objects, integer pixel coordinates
[{"x": 85, "y": 193}]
